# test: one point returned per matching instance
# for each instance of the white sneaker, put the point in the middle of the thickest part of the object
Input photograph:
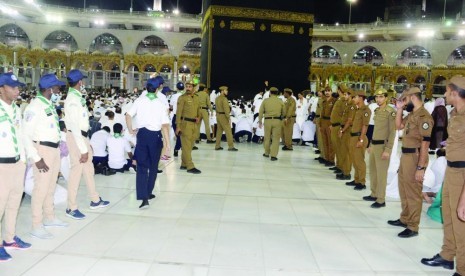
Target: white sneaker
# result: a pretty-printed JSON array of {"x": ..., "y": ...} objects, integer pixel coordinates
[
  {"x": 131, "y": 170},
  {"x": 55, "y": 222},
  {"x": 41, "y": 233}
]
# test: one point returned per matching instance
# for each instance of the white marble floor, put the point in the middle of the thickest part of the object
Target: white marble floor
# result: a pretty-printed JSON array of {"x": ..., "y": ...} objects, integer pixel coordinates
[{"x": 244, "y": 215}]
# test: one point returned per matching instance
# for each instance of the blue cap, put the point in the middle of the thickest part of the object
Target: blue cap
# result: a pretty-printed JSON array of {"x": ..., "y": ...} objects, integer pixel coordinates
[
  {"x": 75, "y": 75},
  {"x": 165, "y": 90},
  {"x": 50, "y": 80},
  {"x": 180, "y": 86},
  {"x": 10, "y": 79},
  {"x": 155, "y": 82}
]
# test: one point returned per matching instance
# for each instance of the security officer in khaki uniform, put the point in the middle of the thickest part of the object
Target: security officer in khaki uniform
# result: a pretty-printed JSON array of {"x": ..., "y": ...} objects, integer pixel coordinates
[
  {"x": 321, "y": 149},
  {"x": 223, "y": 120},
  {"x": 290, "y": 107},
  {"x": 325, "y": 127},
  {"x": 272, "y": 110},
  {"x": 42, "y": 141},
  {"x": 417, "y": 128},
  {"x": 344, "y": 135},
  {"x": 358, "y": 140},
  {"x": 12, "y": 164},
  {"x": 205, "y": 108},
  {"x": 384, "y": 134},
  {"x": 187, "y": 118},
  {"x": 336, "y": 117},
  {"x": 453, "y": 192}
]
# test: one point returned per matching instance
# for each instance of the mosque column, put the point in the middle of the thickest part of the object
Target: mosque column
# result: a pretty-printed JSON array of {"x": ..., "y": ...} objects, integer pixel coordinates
[
  {"x": 175, "y": 71},
  {"x": 121, "y": 77},
  {"x": 15, "y": 63}
]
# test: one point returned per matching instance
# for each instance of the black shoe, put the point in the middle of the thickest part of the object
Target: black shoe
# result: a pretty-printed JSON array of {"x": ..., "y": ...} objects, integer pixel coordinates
[
  {"x": 317, "y": 152},
  {"x": 322, "y": 160},
  {"x": 274, "y": 158},
  {"x": 369, "y": 198},
  {"x": 159, "y": 171},
  {"x": 437, "y": 260},
  {"x": 329, "y": 164},
  {"x": 333, "y": 168},
  {"x": 286, "y": 148},
  {"x": 360, "y": 187},
  {"x": 397, "y": 223},
  {"x": 266, "y": 155},
  {"x": 220, "y": 148},
  {"x": 194, "y": 171},
  {"x": 232, "y": 149},
  {"x": 152, "y": 196},
  {"x": 343, "y": 177},
  {"x": 197, "y": 141},
  {"x": 144, "y": 205},
  {"x": 351, "y": 183},
  {"x": 183, "y": 168},
  {"x": 175, "y": 154},
  {"x": 407, "y": 233},
  {"x": 195, "y": 148},
  {"x": 211, "y": 142},
  {"x": 377, "y": 205},
  {"x": 456, "y": 274},
  {"x": 338, "y": 171},
  {"x": 317, "y": 158}
]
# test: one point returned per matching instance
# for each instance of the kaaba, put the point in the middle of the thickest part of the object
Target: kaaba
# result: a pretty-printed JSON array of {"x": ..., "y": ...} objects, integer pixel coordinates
[{"x": 245, "y": 42}]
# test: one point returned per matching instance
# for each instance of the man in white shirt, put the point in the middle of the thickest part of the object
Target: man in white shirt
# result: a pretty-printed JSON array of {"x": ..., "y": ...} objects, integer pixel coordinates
[
  {"x": 243, "y": 128},
  {"x": 99, "y": 146},
  {"x": 118, "y": 147},
  {"x": 372, "y": 106},
  {"x": 80, "y": 151},
  {"x": 429, "y": 105}
]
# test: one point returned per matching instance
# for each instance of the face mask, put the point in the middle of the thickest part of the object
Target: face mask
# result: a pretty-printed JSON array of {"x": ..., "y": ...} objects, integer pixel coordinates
[
  {"x": 409, "y": 107},
  {"x": 54, "y": 98}
]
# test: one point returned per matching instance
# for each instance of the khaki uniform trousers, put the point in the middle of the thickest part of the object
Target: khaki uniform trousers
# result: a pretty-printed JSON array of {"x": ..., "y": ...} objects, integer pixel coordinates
[
  {"x": 188, "y": 131},
  {"x": 204, "y": 116},
  {"x": 454, "y": 228},
  {"x": 358, "y": 160},
  {"x": 410, "y": 191},
  {"x": 336, "y": 144},
  {"x": 288, "y": 130},
  {"x": 319, "y": 138},
  {"x": 77, "y": 170},
  {"x": 44, "y": 185},
  {"x": 11, "y": 192},
  {"x": 378, "y": 173},
  {"x": 346, "y": 160},
  {"x": 272, "y": 134},
  {"x": 326, "y": 135},
  {"x": 223, "y": 125}
]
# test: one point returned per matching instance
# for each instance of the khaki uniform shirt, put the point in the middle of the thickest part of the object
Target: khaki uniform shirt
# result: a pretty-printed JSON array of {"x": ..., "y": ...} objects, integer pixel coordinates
[
  {"x": 40, "y": 124},
  {"x": 204, "y": 100},
  {"x": 222, "y": 105},
  {"x": 418, "y": 125},
  {"x": 77, "y": 117},
  {"x": 271, "y": 107},
  {"x": 327, "y": 108},
  {"x": 361, "y": 118},
  {"x": 338, "y": 111},
  {"x": 349, "y": 112},
  {"x": 385, "y": 126},
  {"x": 290, "y": 107},
  {"x": 187, "y": 107},
  {"x": 456, "y": 141}
]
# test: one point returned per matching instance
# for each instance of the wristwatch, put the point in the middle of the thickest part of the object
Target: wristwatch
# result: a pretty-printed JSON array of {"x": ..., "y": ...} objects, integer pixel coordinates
[
  {"x": 420, "y": 168},
  {"x": 361, "y": 140}
]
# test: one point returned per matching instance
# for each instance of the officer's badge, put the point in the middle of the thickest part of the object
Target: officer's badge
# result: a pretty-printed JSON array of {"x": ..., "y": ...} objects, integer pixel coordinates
[
  {"x": 29, "y": 116},
  {"x": 352, "y": 108},
  {"x": 393, "y": 114},
  {"x": 425, "y": 126},
  {"x": 366, "y": 114}
]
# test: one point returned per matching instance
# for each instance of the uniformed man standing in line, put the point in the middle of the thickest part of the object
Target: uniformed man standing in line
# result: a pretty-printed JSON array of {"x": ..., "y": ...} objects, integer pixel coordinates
[
  {"x": 384, "y": 134},
  {"x": 187, "y": 118},
  {"x": 358, "y": 140},
  {"x": 12, "y": 164},
  {"x": 272, "y": 110},
  {"x": 153, "y": 122},
  {"x": 453, "y": 193},
  {"x": 336, "y": 117},
  {"x": 173, "y": 106},
  {"x": 223, "y": 112},
  {"x": 319, "y": 138},
  {"x": 325, "y": 127},
  {"x": 42, "y": 141},
  {"x": 344, "y": 136},
  {"x": 414, "y": 159},
  {"x": 290, "y": 107},
  {"x": 80, "y": 151},
  {"x": 205, "y": 110}
]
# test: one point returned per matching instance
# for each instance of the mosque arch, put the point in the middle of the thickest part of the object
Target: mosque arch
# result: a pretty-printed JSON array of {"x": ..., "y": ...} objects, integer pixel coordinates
[
  {"x": 106, "y": 43},
  {"x": 414, "y": 56},
  {"x": 367, "y": 55},
  {"x": 152, "y": 45},
  {"x": 192, "y": 47},
  {"x": 457, "y": 56},
  {"x": 61, "y": 40},
  {"x": 326, "y": 55},
  {"x": 13, "y": 35}
]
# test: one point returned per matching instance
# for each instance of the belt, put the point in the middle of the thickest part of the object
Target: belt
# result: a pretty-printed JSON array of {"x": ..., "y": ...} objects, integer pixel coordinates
[
  {"x": 205, "y": 108},
  {"x": 272, "y": 118},
  {"x": 189, "y": 119},
  {"x": 326, "y": 118},
  {"x": 456, "y": 164},
  {"x": 336, "y": 124},
  {"x": 221, "y": 113},
  {"x": 48, "y": 144},
  {"x": 295, "y": 116},
  {"x": 317, "y": 116},
  {"x": 377, "y": 142},
  {"x": 409, "y": 150},
  {"x": 353, "y": 134},
  {"x": 342, "y": 126},
  {"x": 9, "y": 160}
]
